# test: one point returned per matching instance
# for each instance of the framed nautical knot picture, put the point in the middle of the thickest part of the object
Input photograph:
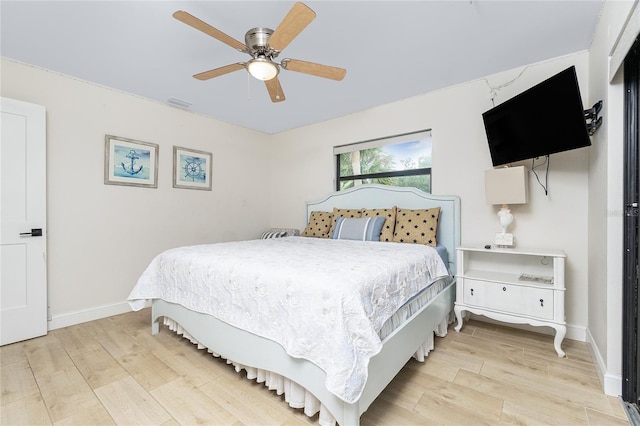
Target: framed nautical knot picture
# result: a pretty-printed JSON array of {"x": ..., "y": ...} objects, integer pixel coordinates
[
  {"x": 191, "y": 169},
  {"x": 130, "y": 162}
]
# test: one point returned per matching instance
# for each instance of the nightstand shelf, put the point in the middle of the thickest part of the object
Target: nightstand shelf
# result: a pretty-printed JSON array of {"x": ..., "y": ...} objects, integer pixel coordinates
[
  {"x": 504, "y": 277},
  {"x": 520, "y": 286}
]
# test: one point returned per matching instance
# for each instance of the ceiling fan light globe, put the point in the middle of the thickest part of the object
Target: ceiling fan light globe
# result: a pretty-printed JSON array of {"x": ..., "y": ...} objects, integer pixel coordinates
[{"x": 262, "y": 69}]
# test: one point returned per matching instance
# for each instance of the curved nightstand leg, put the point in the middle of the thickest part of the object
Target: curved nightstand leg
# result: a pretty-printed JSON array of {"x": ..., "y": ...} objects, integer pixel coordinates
[
  {"x": 561, "y": 331},
  {"x": 459, "y": 317}
]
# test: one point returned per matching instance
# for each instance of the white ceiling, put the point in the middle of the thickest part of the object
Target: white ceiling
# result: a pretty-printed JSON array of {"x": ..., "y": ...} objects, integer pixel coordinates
[{"x": 392, "y": 50}]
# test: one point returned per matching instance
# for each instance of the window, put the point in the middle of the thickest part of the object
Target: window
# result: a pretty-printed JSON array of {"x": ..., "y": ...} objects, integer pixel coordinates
[{"x": 403, "y": 160}]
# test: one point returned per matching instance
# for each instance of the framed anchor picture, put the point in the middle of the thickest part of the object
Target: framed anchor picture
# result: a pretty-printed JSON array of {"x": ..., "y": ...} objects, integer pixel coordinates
[
  {"x": 130, "y": 162},
  {"x": 191, "y": 169}
]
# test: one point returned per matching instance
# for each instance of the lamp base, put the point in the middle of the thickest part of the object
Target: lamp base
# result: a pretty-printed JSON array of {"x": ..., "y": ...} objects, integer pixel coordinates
[{"x": 504, "y": 239}]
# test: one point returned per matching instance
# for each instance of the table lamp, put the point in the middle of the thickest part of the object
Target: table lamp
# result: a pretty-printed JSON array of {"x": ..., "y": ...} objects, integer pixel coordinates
[{"x": 504, "y": 186}]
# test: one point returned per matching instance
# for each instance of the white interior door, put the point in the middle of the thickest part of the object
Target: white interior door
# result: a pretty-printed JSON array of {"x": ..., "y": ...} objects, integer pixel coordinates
[{"x": 23, "y": 264}]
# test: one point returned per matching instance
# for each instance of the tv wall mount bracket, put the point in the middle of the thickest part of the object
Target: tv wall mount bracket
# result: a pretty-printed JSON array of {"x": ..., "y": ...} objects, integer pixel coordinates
[{"x": 592, "y": 119}]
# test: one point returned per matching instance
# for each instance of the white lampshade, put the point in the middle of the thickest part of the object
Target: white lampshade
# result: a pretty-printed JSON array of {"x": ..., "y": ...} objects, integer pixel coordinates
[
  {"x": 262, "y": 69},
  {"x": 507, "y": 185}
]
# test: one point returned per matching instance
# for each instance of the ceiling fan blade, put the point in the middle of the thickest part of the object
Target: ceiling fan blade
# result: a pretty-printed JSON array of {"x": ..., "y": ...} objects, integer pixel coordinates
[
  {"x": 325, "y": 71},
  {"x": 219, "y": 71},
  {"x": 275, "y": 90},
  {"x": 196, "y": 23},
  {"x": 296, "y": 20}
]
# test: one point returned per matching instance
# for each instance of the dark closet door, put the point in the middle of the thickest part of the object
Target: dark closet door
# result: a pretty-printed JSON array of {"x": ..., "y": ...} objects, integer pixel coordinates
[{"x": 631, "y": 319}]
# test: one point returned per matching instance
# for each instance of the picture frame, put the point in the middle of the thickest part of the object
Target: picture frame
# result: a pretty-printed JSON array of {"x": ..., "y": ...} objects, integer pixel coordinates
[
  {"x": 192, "y": 168},
  {"x": 130, "y": 162}
]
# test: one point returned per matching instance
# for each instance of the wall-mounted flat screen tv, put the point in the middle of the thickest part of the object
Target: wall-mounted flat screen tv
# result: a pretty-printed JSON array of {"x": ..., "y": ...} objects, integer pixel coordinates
[{"x": 545, "y": 119}]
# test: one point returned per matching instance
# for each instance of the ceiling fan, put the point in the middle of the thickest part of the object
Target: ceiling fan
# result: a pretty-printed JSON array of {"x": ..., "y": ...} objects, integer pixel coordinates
[{"x": 264, "y": 45}]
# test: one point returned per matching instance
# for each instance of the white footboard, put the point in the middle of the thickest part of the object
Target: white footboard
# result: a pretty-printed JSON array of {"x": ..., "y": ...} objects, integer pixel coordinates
[{"x": 232, "y": 343}]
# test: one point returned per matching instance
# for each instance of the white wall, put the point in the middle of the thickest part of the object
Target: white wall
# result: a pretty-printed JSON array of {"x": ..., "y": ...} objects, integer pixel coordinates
[
  {"x": 101, "y": 237},
  {"x": 303, "y": 169},
  {"x": 605, "y": 203}
]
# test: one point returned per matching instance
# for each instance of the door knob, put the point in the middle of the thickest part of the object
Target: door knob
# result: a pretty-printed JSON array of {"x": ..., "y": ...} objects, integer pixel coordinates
[{"x": 35, "y": 232}]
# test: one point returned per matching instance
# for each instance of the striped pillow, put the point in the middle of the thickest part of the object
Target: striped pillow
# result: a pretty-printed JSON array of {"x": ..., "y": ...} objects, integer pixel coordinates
[
  {"x": 389, "y": 224},
  {"x": 274, "y": 234},
  {"x": 363, "y": 229},
  {"x": 348, "y": 213}
]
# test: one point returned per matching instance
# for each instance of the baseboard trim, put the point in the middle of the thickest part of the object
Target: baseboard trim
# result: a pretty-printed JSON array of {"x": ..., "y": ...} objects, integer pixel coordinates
[
  {"x": 91, "y": 314},
  {"x": 611, "y": 382}
]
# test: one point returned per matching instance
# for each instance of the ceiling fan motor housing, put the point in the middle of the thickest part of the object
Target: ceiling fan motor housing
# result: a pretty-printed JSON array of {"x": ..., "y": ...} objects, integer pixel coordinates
[{"x": 257, "y": 41}]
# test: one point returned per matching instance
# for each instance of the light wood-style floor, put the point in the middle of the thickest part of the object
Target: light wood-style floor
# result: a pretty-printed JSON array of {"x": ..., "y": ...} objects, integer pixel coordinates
[{"x": 112, "y": 371}]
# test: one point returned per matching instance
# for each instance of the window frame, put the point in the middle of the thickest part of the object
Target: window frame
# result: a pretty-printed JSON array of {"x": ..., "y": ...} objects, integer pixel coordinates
[{"x": 377, "y": 143}]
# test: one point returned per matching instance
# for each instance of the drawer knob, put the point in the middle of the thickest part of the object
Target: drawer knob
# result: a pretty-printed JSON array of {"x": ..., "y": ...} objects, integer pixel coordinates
[
  {"x": 504, "y": 289},
  {"x": 472, "y": 292},
  {"x": 542, "y": 302}
]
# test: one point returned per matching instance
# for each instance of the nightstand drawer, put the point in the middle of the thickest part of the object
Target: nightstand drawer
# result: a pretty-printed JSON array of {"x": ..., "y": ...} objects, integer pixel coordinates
[{"x": 516, "y": 299}]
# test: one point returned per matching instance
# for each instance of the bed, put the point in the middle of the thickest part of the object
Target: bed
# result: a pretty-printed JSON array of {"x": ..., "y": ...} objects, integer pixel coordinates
[{"x": 342, "y": 398}]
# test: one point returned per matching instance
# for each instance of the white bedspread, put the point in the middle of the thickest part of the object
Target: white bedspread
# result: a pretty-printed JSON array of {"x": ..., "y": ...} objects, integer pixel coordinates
[{"x": 323, "y": 300}]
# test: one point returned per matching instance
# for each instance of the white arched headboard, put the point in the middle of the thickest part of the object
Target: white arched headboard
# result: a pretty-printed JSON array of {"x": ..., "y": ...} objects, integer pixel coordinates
[{"x": 373, "y": 196}]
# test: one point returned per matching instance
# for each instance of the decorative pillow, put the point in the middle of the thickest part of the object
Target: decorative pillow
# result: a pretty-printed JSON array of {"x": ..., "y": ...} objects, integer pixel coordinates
[
  {"x": 291, "y": 232},
  {"x": 389, "y": 223},
  {"x": 274, "y": 234},
  {"x": 362, "y": 229},
  {"x": 348, "y": 213},
  {"x": 417, "y": 226},
  {"x": 319, "y": 225}
]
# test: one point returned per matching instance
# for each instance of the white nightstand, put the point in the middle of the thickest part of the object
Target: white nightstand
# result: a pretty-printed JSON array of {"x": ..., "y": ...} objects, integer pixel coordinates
[{"x": 515, "y": 285}]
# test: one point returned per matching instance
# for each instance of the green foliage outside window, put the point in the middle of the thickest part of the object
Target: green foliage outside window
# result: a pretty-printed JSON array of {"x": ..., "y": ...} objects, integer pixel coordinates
[{"x": 401, "y": 164}]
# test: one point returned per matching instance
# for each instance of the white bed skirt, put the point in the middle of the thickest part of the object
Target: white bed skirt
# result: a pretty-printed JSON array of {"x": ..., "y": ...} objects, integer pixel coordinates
[{"x": 295, "y": 395}]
